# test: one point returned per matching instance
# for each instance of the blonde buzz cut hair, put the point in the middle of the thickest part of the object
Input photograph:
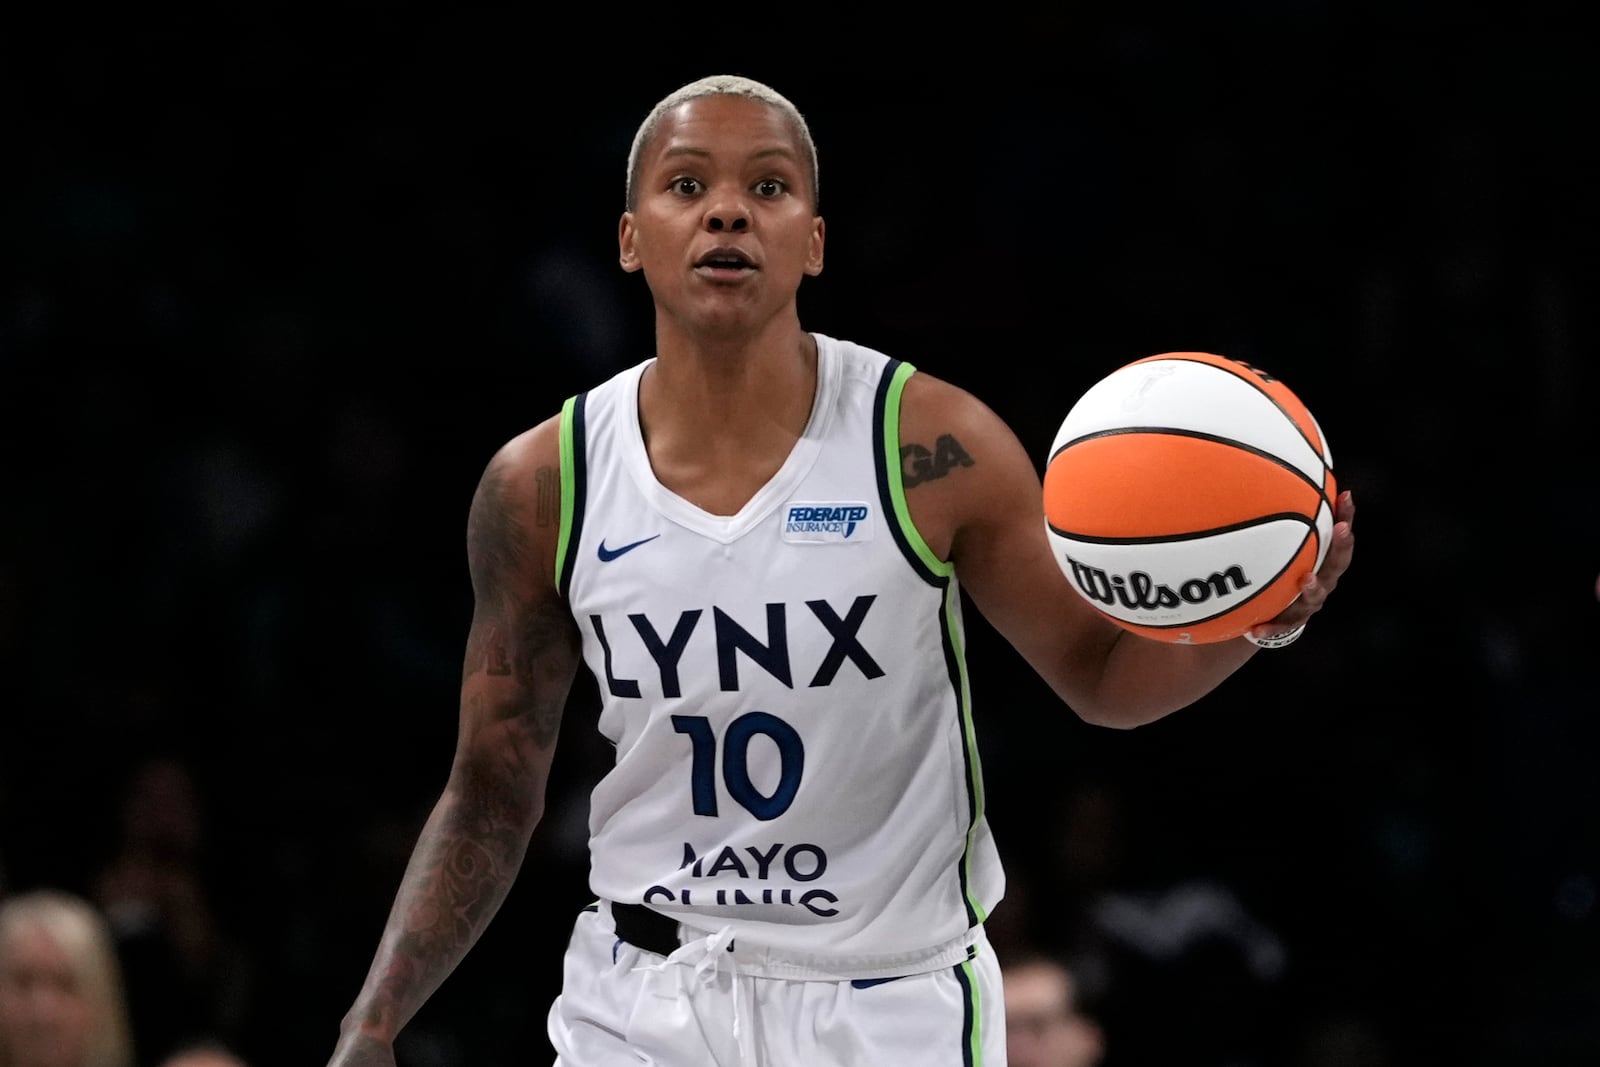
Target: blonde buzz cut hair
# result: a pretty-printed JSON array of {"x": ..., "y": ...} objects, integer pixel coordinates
[{"x": 717, "y": 85}]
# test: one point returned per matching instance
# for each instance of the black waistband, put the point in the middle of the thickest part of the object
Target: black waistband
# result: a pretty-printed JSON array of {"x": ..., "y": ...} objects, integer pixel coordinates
[{"x": 646, "y": 928}]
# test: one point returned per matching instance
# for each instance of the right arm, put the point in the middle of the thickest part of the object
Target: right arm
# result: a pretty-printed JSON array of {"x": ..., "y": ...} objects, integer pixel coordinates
[{"x": 521, "y": 657}]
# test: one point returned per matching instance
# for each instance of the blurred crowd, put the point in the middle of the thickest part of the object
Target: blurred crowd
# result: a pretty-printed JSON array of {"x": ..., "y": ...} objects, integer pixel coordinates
[{"x": 268, "y": 302}]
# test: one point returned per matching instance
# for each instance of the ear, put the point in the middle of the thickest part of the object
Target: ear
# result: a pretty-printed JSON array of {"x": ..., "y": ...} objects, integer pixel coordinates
[
  {"x": 814, "y": 258},
  {"x": 627, "y": 254}
]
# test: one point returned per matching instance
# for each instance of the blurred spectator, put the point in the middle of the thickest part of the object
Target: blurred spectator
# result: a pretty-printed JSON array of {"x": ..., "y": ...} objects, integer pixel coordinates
[
  {"x": 1046, "y": 1026},
  {"x": 62, "y": 1001},
  {"x": 186, "y": 978}
]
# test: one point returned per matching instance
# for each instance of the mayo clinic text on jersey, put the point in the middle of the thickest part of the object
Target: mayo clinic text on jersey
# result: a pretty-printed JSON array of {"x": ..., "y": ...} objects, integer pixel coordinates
[{"x": 803, "y": 862}]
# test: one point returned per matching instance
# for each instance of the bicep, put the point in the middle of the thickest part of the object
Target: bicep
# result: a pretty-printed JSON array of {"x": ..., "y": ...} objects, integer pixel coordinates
[
  {"x": 1004, "y": 561},
  {"x": 522, "y": 647}
]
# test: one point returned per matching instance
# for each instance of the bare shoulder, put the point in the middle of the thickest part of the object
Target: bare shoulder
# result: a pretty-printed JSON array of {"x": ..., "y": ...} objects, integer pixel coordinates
[
  {"x": 516, "y": 509},
  {"x": 537, "y": 446},
  {"x": 960, "y": 464},
  {"x": 929, "y": 398}
]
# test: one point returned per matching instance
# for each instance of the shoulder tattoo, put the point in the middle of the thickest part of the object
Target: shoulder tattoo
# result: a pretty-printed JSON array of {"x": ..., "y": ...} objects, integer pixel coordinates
[
  {"x": 920, "y": 464},
  {"x": 547, "y": 506},
  {"x": 496, "y": 541}
]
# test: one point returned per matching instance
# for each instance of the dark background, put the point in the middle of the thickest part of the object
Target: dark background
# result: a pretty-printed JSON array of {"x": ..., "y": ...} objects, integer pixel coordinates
[{"x": 274, "y": 285}]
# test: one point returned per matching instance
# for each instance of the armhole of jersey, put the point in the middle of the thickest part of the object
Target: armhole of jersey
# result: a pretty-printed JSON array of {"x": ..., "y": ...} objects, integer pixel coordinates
[
  {"x": 572, "y": 495},
  {"x": 891, "y": 480},
  {"x": 939, "y": 573}
]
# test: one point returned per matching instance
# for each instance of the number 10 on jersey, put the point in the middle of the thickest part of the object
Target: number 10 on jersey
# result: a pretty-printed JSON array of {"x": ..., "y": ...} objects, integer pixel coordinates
[{"x": 736, "y": 762}]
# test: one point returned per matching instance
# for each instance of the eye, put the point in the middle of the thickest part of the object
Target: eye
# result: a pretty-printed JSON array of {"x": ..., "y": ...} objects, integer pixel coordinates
[
  {"x": 686, "y": 186},
  {"x": 768, "y": 188}
]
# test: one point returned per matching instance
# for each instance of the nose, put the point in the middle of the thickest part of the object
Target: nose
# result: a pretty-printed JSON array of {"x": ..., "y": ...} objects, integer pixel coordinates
[
  {"x": 733, "y": 221},
  {"x": 727, "y": 214}
]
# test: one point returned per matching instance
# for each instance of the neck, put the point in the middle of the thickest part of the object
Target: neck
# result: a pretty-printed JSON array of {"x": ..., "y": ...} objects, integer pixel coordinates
[
  {"x": 722, "y": 375},
  {"x": 719, "y": 421},
  {"x": 747, "y": 390}
]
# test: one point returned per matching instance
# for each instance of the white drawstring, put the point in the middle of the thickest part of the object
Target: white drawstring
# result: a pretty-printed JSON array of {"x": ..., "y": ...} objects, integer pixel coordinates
[{"x": 707, "y": 955}]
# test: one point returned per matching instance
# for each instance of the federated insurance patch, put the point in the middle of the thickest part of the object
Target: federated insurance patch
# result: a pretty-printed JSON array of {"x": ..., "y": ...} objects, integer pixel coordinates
[{"x": 827, "y": 522}]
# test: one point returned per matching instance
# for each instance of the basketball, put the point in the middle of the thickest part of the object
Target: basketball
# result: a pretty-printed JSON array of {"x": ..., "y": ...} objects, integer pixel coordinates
[{"x": 1186, "y": 495}]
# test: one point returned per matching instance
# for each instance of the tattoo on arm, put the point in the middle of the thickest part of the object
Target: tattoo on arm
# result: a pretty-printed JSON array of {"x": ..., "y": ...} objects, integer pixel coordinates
[
  {"x": 546, "y": 639},
  {"x": 918, "y": 464},
  {"x": 491, "y": 647},
  {"x": 547, "y": 506},
  {"x": 521, "y": 654},
  {"x": 496, "y": 552},
  {"x": 463, "y": 869},
  {"x": 497, "y": 545},
  {"x": 480, "y": 831},
  {"x": 518, "y": 633}
]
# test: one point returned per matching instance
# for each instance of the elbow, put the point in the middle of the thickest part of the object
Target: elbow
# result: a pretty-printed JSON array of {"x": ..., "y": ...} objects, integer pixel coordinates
[
  {"x": 1118, "y": 716},
  {"x": 1109, "y": 721},
  {"x": 511, "y": 800}
]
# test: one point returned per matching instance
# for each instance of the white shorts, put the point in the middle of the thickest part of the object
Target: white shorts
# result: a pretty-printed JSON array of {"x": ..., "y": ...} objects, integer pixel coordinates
[{"x": 620, "y": 1005}]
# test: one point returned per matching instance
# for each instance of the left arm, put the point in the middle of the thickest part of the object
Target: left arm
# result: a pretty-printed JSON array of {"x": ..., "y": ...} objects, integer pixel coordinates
[{"x": 986, "y": 515}]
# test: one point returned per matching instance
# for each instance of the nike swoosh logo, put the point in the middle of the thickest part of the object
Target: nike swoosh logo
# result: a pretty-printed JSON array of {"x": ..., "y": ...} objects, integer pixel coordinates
[{"x": 609, "y": 554}]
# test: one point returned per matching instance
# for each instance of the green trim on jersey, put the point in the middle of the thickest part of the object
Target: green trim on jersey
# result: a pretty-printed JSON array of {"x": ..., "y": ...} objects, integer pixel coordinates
[
  {"x": 568, "y": 481},
  {"x": 897, "y": 488},
  {"x": 952, "y": 618}
]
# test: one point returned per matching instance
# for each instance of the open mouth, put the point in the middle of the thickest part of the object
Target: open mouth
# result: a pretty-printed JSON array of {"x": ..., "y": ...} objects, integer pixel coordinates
[{"x": 725, "y": 259}]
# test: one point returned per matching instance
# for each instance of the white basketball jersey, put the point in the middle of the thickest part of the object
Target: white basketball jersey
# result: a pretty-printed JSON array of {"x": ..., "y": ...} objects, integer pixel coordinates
[{"x": 785, "y": 687}]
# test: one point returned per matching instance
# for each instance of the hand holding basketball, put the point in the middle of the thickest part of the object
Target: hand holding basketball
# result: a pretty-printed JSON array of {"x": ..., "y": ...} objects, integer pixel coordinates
[
  {"x": 1190, "y": 498},
  {"x": 1316, "y": 588}
]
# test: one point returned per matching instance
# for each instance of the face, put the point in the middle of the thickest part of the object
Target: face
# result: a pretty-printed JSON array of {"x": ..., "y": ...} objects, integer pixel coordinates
[
  {"x": 723, "y": 227},
  {"x": 44, "y": 1015},
  {"x": 1043, "y": 1027}
]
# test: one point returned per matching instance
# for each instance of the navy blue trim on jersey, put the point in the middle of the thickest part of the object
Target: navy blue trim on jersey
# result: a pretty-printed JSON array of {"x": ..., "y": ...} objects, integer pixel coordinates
[
  {"x": 880, "y": 462},
  {"x": 952, "y": 664},
  {"x": 967, "y": 1019},
  {"x": 580, "y": 464},
  {"x": 952, "y": 659}
]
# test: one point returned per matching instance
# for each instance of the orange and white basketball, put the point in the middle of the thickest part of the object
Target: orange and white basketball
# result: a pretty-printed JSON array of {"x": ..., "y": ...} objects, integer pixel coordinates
[{"x": 1187, "y": 494}]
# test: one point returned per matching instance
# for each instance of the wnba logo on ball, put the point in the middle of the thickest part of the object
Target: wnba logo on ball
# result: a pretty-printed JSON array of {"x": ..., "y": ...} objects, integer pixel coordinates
[{"x": 1139, "y": 592}]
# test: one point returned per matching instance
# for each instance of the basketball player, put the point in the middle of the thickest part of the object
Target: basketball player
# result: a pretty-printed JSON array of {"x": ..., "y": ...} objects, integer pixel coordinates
[{"x": 753, "y": 540}]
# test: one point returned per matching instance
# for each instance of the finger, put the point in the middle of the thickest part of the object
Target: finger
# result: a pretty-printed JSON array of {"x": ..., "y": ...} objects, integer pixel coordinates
[
  {"x": 1314, "y": 592},
  {"x": 1344, "y": 508},
  {"x": 1315, "y": 588},
  {"x": 1304, "y": 605},
  {"x": 1342, "y": 545}
]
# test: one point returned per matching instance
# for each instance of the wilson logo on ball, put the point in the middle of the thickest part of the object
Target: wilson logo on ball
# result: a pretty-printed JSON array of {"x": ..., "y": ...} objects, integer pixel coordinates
[{"x": 1140, "y": 592}]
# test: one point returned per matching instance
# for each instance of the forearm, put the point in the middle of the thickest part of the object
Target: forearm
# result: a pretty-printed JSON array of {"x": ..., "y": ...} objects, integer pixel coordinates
[
  {"x": 1144, "y": 680},
  {"x": 459, "y": 874}
]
